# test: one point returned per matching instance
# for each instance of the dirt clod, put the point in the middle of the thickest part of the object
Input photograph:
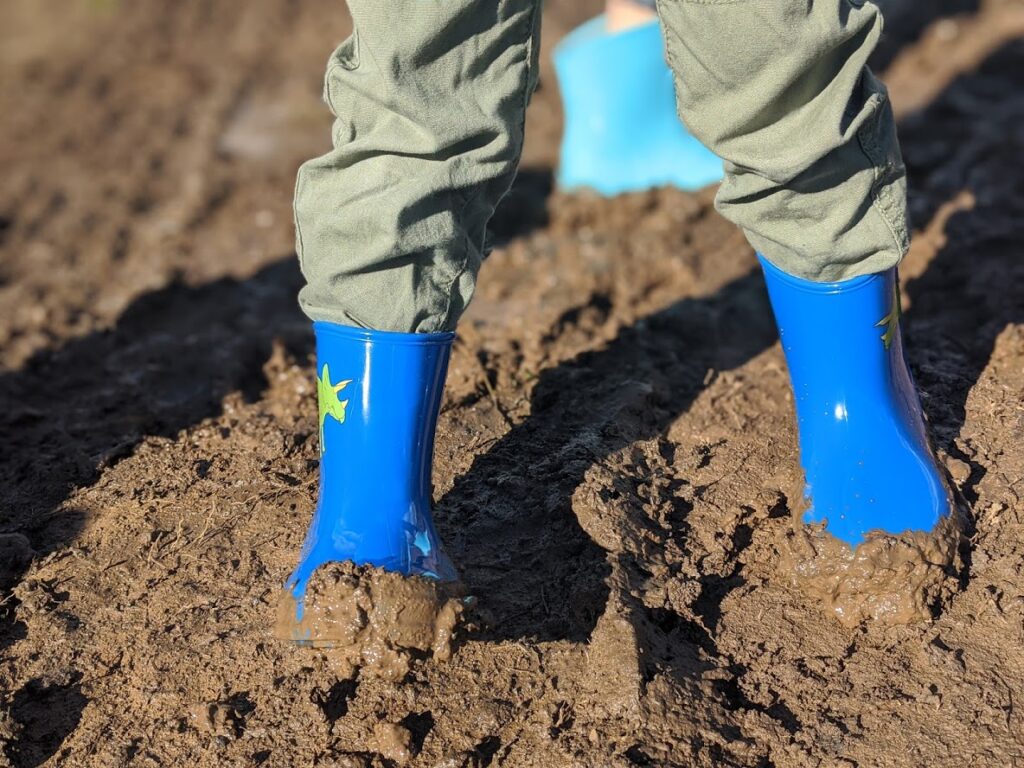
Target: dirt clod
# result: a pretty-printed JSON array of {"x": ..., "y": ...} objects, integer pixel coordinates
[
  {"x": 15, "y": 554},
  {"x": 372, "y": 620},
  {"x": 393, "y": 742},
  {"x": 887, "y": 579}
]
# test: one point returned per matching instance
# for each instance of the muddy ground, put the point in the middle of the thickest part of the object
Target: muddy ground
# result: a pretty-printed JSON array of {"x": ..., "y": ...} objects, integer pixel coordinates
[{"x": 612, "y": 452}]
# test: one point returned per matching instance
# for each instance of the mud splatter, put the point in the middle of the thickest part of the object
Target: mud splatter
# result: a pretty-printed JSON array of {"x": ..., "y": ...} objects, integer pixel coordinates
[
  {"x": 888, "y": 579},
  {"x": 370, "y": 620}
]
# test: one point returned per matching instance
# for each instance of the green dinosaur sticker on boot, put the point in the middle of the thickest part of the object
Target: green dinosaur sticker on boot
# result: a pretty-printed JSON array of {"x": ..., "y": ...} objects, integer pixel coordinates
[
  {"x": 329, "y": 403},
  {"x": 892, "y": 320}
]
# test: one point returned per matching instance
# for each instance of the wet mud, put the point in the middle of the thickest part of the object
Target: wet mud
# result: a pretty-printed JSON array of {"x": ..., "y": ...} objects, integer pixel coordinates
[
  {"x": 890, "y": 579},
  {"x": 614, "y": 453},
  {"x": 371, "y": 620}
]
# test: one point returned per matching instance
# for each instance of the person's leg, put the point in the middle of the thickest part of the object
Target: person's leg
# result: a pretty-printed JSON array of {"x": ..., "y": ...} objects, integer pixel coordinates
[
  {"x": 430, "y": 99},
  {"x": 780, "y": 90}
]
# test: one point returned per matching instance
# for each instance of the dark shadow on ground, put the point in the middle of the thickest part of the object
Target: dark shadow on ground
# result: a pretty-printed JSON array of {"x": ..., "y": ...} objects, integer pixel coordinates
[
  {"x": 906, "y": 20},
  {"x": 45, "y": 715},
  {"x": 516, "y": 538},
  {"x": 969, "y": 139}
]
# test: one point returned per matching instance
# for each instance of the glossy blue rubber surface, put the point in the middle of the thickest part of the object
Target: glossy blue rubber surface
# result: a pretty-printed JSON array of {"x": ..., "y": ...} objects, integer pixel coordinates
[
  {"x": 622, "y": 133},
  {"x": 379, "y": 395},
  {"x": 863, "y": 444}
]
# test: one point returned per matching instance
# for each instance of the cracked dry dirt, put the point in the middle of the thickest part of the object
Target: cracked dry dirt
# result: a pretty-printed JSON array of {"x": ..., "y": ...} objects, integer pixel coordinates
[{"x": 611, "y": 452}]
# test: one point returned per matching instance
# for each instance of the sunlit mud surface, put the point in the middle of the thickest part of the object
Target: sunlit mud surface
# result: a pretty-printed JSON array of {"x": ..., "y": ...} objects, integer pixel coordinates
[
  {"x": 890, "y": 579},
  {"x": 613, "y": 454}
]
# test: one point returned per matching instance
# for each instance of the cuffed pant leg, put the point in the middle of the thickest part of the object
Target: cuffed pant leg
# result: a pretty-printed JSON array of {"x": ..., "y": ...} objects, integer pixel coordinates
[
  {"x": 430, "y": 99},
  {"x": 781, "y": 91}
]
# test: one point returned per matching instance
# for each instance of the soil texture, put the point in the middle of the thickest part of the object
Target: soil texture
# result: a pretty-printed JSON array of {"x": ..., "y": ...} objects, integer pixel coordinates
[{"x": 613, "y": 454}]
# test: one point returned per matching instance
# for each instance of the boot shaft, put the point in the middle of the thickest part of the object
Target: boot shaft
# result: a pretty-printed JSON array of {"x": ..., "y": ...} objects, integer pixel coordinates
[
  {"x": 378, "y": 395},
  {"x": 863, "y": 444}
]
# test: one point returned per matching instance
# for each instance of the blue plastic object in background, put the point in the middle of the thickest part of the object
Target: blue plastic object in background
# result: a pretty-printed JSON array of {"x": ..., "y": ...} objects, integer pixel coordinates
[
  {"x": 622, "y": 133},
  {"x": 863, "y": 445},
  {"x": 379, "y": 395}
]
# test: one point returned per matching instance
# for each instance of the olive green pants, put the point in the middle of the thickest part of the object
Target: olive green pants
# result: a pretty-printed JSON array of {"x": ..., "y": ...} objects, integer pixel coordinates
[{"x": 430, "y": 99}]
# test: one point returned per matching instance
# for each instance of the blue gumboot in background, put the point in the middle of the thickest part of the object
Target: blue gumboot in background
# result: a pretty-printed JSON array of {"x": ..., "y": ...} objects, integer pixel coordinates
[
  {"x": 863, "y": 446},
  {"x": 622, "y": 133},
  {"x": 379, "y": 395}
]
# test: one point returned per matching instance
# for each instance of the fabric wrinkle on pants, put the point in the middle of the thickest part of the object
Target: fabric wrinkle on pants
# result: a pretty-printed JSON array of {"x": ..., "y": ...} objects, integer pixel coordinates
[
  {"x": 781, "y": 92},
  {"x": 430, "y": 100},
  {"x": 430, "y": 96}
]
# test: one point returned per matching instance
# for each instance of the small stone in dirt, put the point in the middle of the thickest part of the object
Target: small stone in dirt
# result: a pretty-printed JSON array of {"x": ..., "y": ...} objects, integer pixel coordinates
[
  {"x": 393, "y": 742},
  {"x": 959, "y": 470}
]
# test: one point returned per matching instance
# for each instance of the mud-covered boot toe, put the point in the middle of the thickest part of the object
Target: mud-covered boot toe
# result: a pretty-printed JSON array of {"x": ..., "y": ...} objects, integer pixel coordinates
[
  {"x": 863, "y": 445},
  {"x": 379, "y": 394}
]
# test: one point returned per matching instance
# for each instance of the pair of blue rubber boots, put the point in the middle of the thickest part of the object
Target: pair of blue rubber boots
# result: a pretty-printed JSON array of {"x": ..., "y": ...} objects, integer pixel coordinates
[{"x": 863, "y": 447}]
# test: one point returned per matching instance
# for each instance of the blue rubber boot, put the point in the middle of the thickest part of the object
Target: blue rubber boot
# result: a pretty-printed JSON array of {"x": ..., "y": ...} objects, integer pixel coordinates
[
  {"x": 863, "y": 447},
  {"x": 379, "y": 395},
  {"x": 622, "y": 133}
]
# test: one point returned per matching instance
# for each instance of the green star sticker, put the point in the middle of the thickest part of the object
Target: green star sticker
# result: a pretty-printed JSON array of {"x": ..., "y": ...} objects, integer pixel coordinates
[
  {"x": 892, "y": 320},
  {"x": 330, "y": 404}
]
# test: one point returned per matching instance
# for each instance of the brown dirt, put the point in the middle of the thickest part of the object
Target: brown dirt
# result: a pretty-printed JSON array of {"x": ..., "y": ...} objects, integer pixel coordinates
[
  {"x": 902, "y": 579},
  {"x": 614, "y": 445},
  {"x": 372, "y": 622}
]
